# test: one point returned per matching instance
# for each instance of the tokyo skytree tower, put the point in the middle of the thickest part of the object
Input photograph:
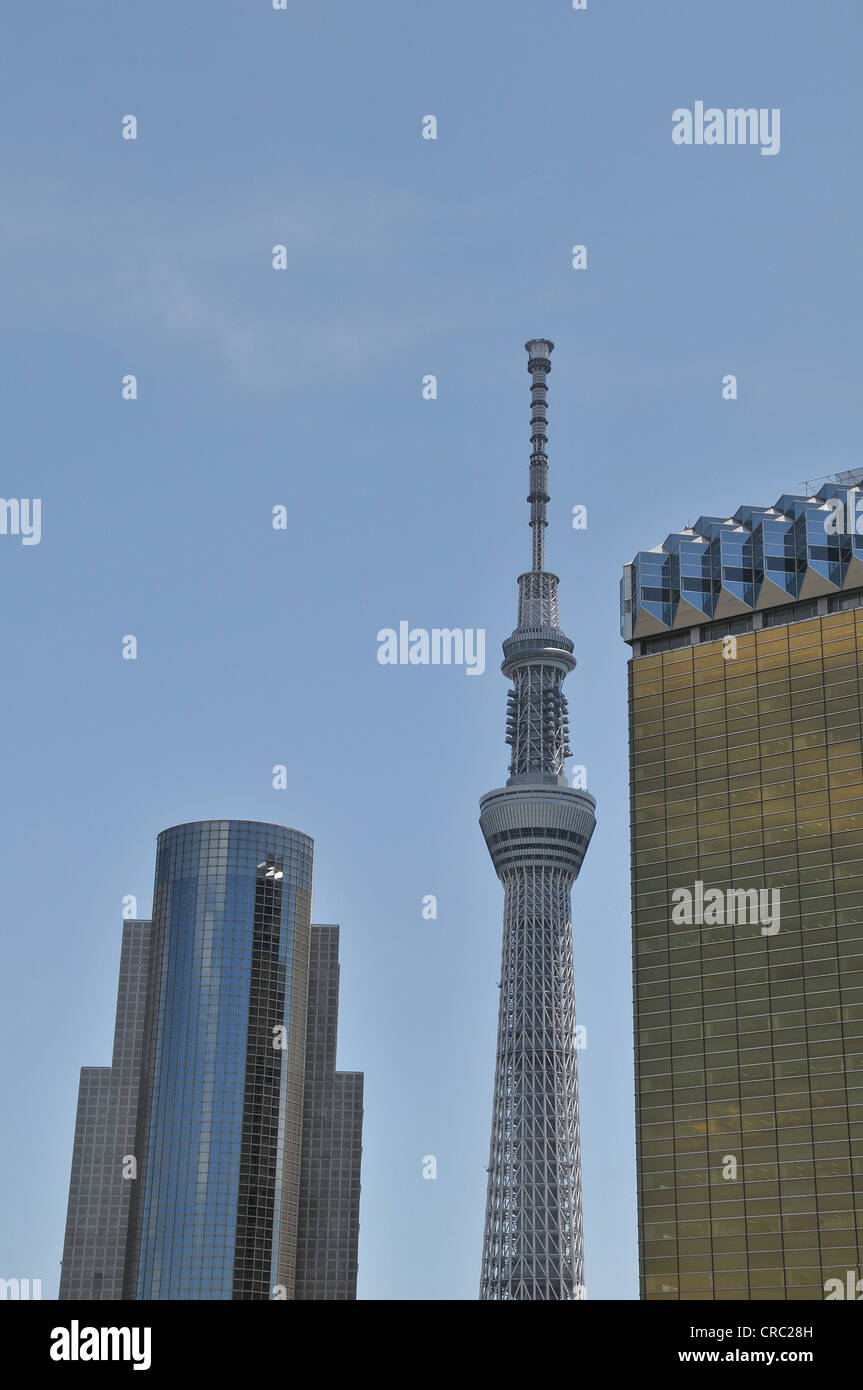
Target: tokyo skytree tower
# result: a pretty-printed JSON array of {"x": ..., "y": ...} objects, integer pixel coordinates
[{"x": 537, "y": 829}]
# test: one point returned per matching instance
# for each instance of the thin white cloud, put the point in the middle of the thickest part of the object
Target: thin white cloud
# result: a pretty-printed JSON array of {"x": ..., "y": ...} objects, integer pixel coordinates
[{"x": 198, "y": 275}]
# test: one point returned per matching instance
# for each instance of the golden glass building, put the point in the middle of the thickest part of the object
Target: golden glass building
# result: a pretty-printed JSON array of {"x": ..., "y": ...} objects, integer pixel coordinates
[{"x": 746, "y": 755}]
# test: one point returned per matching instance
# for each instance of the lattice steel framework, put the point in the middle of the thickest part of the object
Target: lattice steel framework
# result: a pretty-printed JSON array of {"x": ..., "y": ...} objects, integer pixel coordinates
[{"x": 537, "y": 829}]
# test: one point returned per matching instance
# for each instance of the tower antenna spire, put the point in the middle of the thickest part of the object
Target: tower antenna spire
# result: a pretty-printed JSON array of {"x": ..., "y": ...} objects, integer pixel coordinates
[{"x": 539, "y": 352}]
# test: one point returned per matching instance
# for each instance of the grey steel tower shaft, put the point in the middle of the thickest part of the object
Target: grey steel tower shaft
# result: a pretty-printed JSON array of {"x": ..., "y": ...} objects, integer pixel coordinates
[{"x": 537, "y": 829}]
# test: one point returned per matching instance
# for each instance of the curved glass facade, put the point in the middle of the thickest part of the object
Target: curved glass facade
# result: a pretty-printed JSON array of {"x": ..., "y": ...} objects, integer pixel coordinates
[{"x": 215, "y": 1209}]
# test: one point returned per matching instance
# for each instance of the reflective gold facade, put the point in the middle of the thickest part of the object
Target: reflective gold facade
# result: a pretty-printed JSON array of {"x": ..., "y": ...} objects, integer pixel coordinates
[{"x": 747, "y": 773}]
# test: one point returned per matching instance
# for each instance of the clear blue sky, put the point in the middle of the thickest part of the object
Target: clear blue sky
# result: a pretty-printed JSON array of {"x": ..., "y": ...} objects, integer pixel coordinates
[{"x": 302, "y": 387}]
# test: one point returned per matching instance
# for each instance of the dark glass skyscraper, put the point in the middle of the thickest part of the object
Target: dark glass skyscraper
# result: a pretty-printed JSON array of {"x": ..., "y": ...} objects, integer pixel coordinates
[
  {"x": 332, "y": 1140},
  {"x": 537, "y": 829},
  {"x": 94, "y": 1251},
  {"x": 190, "y": 1149},
  {"x": 746, "y": 754}
]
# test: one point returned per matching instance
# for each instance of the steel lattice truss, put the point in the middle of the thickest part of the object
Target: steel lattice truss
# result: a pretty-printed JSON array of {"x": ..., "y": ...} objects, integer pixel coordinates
[
  {"x": 533, "y": 1237},
  {"x": 537, "y": 829},
  {"x": 537, "y": 724}
]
